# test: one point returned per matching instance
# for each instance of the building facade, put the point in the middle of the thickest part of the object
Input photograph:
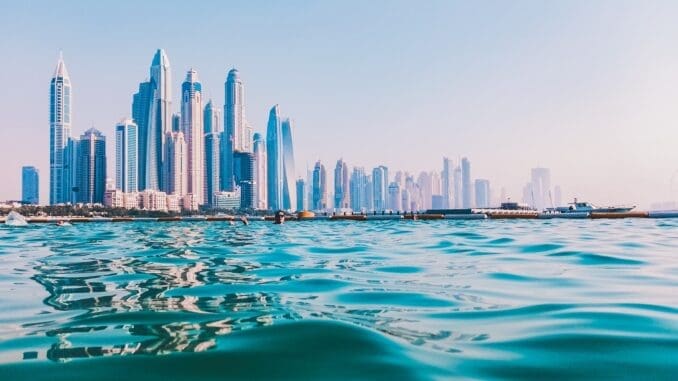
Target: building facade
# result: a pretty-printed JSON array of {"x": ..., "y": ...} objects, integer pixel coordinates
[
  {"x": 59, "y": 130},
  {"x": 91, "y": 167},
  {"x": 194, "y": 134},
  {"x": 30, "y": 185},
  {"x": 126, "y": 156}
]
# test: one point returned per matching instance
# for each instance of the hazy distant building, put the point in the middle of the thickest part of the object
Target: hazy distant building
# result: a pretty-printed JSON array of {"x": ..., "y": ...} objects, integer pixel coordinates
[
  {"x": 380, "y": 188},
  {"x": 447, "y": 183},
  {"x": 541, "y": 188},
  {"x": 467, "y": 194},
  {"x": 126, "y": 156},
  {"x": 91, "y": 167},
  {"x": 341, "y": 185},
  {"x": 394, "y": 197},
  {"x": 301, "y": 195},
  {"x": 59, "y": 130},
  {"x": 319, "y": 187},
  {"x": 424, "y": 182},
  {"x": 30, "y": 185},
  {"x": 557, "y": 196},
  {"x": 482, "y": 190},
  {"x": 457, "y": 186}
]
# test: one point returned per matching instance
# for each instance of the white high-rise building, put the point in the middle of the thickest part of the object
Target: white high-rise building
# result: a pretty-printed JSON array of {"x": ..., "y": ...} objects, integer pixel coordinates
[
  {"x": 126, "y": 156},
  {"x": 260, "y": 177},
  {"x": 234, "y": 111},
  {"x": 59, "y": 132},
  {"x": 192, "y": 127},
  {"x": 176, "y": 164}
]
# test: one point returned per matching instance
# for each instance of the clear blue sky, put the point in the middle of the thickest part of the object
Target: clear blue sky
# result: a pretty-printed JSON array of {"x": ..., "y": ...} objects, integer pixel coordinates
[{"x": 586, "y": 88}]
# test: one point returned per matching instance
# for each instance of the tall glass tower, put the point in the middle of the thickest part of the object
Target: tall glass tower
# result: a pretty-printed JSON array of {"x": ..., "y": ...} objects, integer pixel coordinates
[
  {"x": 30, "y": 185},
  {"x": 59, "y": 130},
  {"x": 274, "y": 151},
  {"x": 289, "y": 170},
  {"x": 341, "y": 185},
  {"x": 91, "y": 167},
  {"x": 466, "y": 183},
  {"x": 159, "y": 120},
  {"x": 126, "y": 156},
  {"x": 141, "y": 106},
  {"x": 192, "y": 126}
]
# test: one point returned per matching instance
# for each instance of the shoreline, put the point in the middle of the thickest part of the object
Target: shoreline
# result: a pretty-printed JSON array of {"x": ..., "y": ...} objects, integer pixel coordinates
[{"x": 498, "y": 215}]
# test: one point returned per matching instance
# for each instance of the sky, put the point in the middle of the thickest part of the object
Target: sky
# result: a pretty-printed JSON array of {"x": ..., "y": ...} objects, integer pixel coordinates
[{"x": 588, "y": 89}]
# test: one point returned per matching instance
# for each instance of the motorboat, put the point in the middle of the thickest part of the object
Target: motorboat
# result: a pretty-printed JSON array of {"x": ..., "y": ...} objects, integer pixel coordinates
[
  {"x": 579, "y": 207},
  {"x": 15, "y": 219}
]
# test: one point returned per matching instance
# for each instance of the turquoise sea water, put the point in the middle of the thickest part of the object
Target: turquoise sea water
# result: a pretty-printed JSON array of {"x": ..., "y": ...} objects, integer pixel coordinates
[{"x": 390, "y": 300}]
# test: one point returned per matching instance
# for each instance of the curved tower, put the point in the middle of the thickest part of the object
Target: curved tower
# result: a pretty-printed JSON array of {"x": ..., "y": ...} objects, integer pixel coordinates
[
  {"x": 274, "y": 151},
  {"x": 234, "y": 110},
  {"x": 159, "y": 120},
  {"x": 289, "y": 171}
]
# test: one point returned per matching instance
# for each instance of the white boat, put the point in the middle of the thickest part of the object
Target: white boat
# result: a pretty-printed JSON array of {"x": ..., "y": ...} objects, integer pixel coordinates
[
  {"x": 15, "y": 219},
  {"x": 578, "y": 207}
]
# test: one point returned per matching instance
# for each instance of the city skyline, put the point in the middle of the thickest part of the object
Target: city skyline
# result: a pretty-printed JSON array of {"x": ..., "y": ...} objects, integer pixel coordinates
[{"x": 628, "y": 128}]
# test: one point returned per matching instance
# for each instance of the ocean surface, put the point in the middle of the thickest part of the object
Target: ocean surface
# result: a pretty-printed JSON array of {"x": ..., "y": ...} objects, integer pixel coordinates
[{"x": 382, "y": 300}]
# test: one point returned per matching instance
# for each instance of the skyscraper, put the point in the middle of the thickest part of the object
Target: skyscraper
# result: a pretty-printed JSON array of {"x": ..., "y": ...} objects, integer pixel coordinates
[
  {"x": 456, "y": 179},
  {"x": 126, "y": 156},
  {"x": 380, "y": 187},
  {"x": 234, "y": 110},
  {"x": 212, "y": 118},
  {"x": 176, "y": 164},
  {"x": 212, "y": 162},
  {"x": 141, "y": 106},
  {"x": 394, "y": 197},
  {"x": 319, "y": 187},
  {"x": 482, "y": 189},
  {"x": 30, "y": 185},
  {"x": 425, "y": 185},
  {"x": 447, "y": 180},
  {"x": 160, "y": 119},
  {"x": 301, "y": 194},
  {"x": 91, "y": 167},
  {"x": 59, "y": 129},
  {"x": 243, "y": 171},
  {"x": 274, "y": 151},
  {"x": 541, "y": 188},
  {"x": 466, "y": 183},
  {"x": 176, "y": 122},
  {"x": 260, "y": 177},
  {"x": 192, "y": 127},
  {"x": 358, "y": 186},
  {"x": 70, "y": 173},
  {"x": 289, "y": 195},
  {"x": 341, "y": 185}
]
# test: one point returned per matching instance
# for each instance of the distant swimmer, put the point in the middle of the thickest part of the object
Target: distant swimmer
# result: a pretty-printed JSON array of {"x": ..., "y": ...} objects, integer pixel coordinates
[
  {"x": 244, "y": 220},
  {"x": 279, "y": 217},
  {"x": 63, "y": 223}
]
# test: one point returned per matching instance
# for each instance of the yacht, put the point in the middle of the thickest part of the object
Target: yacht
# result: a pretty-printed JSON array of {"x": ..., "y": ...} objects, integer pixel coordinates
[{"x": 579, "y": 206}]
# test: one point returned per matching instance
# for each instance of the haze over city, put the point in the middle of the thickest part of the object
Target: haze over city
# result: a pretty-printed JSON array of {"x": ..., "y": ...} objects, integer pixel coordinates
[{"x": 587, "y": 90}]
